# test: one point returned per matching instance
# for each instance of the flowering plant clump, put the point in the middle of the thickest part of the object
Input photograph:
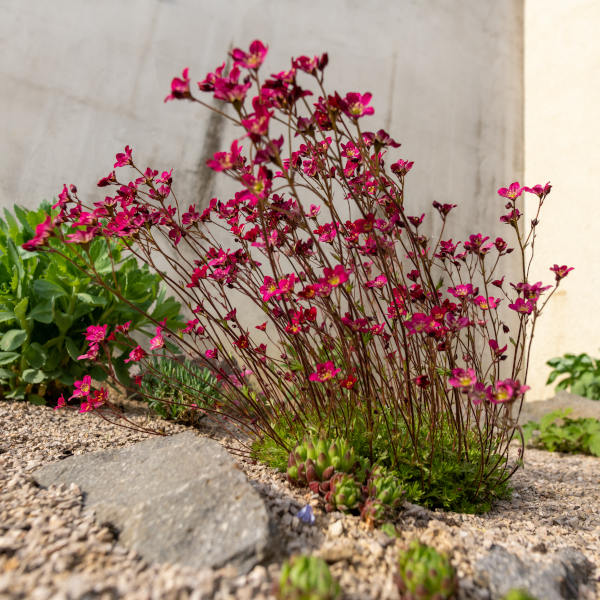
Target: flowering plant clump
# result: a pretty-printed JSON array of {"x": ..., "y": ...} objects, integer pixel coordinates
[{"x": 369, "y": 329}]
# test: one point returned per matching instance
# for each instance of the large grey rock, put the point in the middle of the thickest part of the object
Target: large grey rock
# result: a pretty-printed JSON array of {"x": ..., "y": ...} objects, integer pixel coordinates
[
  {"x": 173, "y": 499},
  {"x": 557, "y": 578}
]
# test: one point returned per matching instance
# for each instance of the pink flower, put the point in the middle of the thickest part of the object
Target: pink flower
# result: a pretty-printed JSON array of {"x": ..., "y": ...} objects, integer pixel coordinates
[
  {"x": 136, "y": 355},
  {"x": 157, "y": 341},
  {"x": 335, "y": 276},
  {"x": 420, "y": 323},
  {"x": 324, "y": 372},
  {"x": 286, "y": 284},
  {"x": 402, "y": 167},
  {"x": 538, "y": 190},
  {"x": 252, "y": 59},
  {"x": 313, "y": 211},
  {"x": 82, "y": 388},
  {"x": 505, "y": 391},
  {"x": 496, "y": 348},
  {"x": 96, "y": 333},
  {"x": 268, "y": 289},
  {"x": 91, "y": 354},
  {"x": 512, "y": 192},
  {"x": 123, "y": 328},
  {"x": 104, "y": 181},
  {"x": 462, "y": 378},
  {"x": 348, "y": 382},
  {"x": 211, "y": 353},
  {"x": 378, "y": 282},
  {"x": 60, "y": 403},
  {"x": 561, "y": 272},
  {"x": 522, "y": 306},
  {"x": 357, "y": 105},
  {"x": 180, "y": 87},
  {"x": 42, "y": 232},
  {"x": 124, "y": 158},
  {"x": 486, "y": 303},
  {"x": 462, "y": 290}
]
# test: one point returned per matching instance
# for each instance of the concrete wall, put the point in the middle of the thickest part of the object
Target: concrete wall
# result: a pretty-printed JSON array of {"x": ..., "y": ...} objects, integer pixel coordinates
[
  {"x": 83, "y": 78},
  {"x": 562, "y": 128}
]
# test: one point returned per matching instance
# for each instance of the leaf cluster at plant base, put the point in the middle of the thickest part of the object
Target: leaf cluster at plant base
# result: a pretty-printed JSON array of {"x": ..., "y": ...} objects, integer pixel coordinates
[
  {"x": 582, "y": 374},
  {"x": 47, "y": 302},
  {"x": 557, "y": 432}
]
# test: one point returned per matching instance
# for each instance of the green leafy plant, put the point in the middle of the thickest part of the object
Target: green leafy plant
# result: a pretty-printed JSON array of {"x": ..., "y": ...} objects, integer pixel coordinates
[
  {"x": 307, "y": 578},
  {"x": 518, "y": 594},
  {"x": 47, "y": 303},
  {"x": 557, "y": 432},
  {"x": 179, "y": 389},
  {"x": 582, "y": 374},
  {"x": 425, "y": 574}
]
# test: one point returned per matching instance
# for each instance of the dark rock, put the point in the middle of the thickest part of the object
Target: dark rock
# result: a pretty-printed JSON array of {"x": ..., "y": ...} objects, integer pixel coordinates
[
  {"x": 174, "y": 499},
  {"x": 557, "y": 578}
]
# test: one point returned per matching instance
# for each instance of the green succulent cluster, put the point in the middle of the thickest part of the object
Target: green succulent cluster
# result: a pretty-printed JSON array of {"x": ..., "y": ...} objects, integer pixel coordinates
[
  {"x": 345, "y": 493},
  {"x": 307, "y": 578},
  {"x": 316, "y": 460},
  {"x": 425, "y": 574},
  {"x": 172, "y": 386},
  {"x": 384, "y": 494}
]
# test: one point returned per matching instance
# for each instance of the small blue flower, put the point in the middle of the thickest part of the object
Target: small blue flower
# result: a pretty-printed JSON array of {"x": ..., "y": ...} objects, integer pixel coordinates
[{"x": 306, "y": 515}]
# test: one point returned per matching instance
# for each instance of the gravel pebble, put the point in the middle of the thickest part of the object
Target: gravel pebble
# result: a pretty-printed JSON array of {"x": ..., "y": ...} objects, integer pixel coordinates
[{"x": 52, "y": 548}]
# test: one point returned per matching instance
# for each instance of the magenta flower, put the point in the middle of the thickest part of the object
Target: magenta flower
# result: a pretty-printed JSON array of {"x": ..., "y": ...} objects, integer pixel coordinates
[
  {"x": 82, "y": 388},
  {"x": 325, "y": 371},
  {"x": 462, "y": 290},
  {"x": 91, "y": 354},
  {"x": 357, "y": 105},
  {"x": 252, "y": 59},
  {"x": 561, "y": 272},
  {"x": 462, "y": 378},
  {"x": 157, "y": 341},
  {"x": 42, "y": 232},
  {"x": 124, "y": 158},
  {"x": 487, "y": 303},
  {"x": 180, "y": 87},
  {"x": 60, "y": 403},
  {"x": 522, "y": 306},
  {"x": 96, "y": 333},
  {"x": 512, "y": 192},
  {"x": 136, "y": 355},
  {"x": 211, "y": 353},
  {"x": 402, "y": 167},
  {"x": 335, "y": 276},
  {"x": 496, "y": 348},
  {"x": 379, "y": 282},
  {"x": 539, "y": 190}
]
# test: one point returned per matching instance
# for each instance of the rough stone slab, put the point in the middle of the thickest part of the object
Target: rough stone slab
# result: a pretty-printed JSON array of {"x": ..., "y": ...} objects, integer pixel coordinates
[
  {"x": 177, "y": 499},
  {"x": 557, "y": 578}
]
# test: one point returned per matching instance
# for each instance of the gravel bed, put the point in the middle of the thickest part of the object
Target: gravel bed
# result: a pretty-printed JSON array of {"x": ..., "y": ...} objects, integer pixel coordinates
[{"x": 51, "y": 547}]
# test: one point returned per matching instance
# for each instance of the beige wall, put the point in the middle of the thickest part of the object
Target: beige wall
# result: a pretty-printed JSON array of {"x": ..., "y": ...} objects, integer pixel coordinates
[{"x": 562, "y": 144}]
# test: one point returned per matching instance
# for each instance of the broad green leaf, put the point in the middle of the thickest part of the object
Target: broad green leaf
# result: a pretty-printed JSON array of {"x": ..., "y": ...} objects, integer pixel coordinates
[
  {"x": 42, "y": 312},
  {"x": 6, "y": 315},
  {"x": 8, "y": 357},
  {"x": 63, "y": 320},
  {"x": 594, "y": 445},
  {"x": 20, "y": 309},
  {"x": 33, "y": 376},
  {"x": 6, "y": 374},
  {"x": 48, "y": 289},
  {"x": 12, "y": 339},
  {"x": 36, "y": 355},
  {"x": 72, "y": 348}
]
